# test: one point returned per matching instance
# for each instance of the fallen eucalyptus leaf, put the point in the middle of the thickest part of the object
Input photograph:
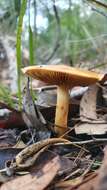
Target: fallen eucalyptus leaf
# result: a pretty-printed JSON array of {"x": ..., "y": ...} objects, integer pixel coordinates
[
  {"x": 88, "y": 104},
  {"x": 33, "y": 117},
  {"x": 91, "y": 128},
  {"x": 38, "y": 180}
]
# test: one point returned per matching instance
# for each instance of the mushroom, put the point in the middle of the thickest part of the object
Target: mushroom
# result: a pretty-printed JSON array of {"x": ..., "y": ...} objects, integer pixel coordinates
[{"x": 65, "y": 77}]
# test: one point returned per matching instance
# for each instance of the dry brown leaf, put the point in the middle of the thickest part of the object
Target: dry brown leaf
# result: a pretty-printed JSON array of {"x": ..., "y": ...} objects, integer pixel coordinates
[
  {"x": 33, "y": 118},
  {"x": 91, "y": 128},
  {"x": 37, "y": 181},
  {"x": 90, "y": 124},
  {"x": 88, "y": 104},
  {"x": 87, "y": 184},
  {"x": 102, "y": 177}
]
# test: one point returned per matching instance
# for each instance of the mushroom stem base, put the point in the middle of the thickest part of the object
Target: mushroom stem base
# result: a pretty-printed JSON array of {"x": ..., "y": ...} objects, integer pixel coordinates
[{"x": 62, "y": 107}]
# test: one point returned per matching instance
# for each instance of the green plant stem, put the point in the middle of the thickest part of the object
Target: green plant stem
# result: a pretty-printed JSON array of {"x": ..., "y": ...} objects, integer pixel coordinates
[{"x": 18, "y": 49}]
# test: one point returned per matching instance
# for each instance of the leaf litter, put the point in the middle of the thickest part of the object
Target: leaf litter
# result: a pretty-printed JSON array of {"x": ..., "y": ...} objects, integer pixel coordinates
[
  {"x": 43, "y": 161},
  {"x": 90, "y": 122}
]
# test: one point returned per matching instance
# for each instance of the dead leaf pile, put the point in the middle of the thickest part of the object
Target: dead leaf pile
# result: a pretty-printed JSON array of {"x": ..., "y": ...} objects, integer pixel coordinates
[{"x": 32, "y": 157}]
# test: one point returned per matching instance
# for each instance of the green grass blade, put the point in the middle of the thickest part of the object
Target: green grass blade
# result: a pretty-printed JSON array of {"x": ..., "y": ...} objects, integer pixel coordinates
[
  {"x": 5, "y": 96},
  {"x": 31, "y": 48},
  {"x": 18, "y": 48}
]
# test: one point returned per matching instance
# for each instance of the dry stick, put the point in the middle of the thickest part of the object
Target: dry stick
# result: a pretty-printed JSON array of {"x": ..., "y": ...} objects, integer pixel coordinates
[
  {"x": 34, "y": 148},
  {"x": 72, "y": 174},
  {"x": 71, "y": 129},
  {"x": 98, "y": 65},
  {"x": 99, "y": 3},
  {"x": 64, "y": 184},
  {"x": 28, "y": 163},
  {"x": 92, "y": 176},
  {"x": 40, "y": 146},
  {"x": 78, "y": 156},
  {"x": 88, "y": 169},
  {"x": 88, "y": 141},
  {"x": 98, "y": 11}
]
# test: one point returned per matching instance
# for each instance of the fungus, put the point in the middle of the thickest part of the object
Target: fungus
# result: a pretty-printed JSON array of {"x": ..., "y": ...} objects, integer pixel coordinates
[{"x": 65, "y": 77}]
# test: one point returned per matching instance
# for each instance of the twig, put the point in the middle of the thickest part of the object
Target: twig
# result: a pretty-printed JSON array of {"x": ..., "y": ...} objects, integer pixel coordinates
[
  {"x": 99, "y": 11},
  {"x": 36, "y": 147},
  {"x": 88, "y": 141},
  {"x": 98, "y": 3},
  {"x": 97, "y": 66},
  {"x": 88, "y": 169},
  {"x": 72, "y": 174}
]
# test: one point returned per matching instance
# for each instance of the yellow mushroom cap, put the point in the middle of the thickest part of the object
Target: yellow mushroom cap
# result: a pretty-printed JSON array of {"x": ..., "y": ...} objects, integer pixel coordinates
[{"x": 62, "y": 74}]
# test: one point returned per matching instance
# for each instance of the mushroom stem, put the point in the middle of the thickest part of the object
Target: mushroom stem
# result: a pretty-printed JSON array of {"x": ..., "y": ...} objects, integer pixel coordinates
[{"x": 62, "y": 108}]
